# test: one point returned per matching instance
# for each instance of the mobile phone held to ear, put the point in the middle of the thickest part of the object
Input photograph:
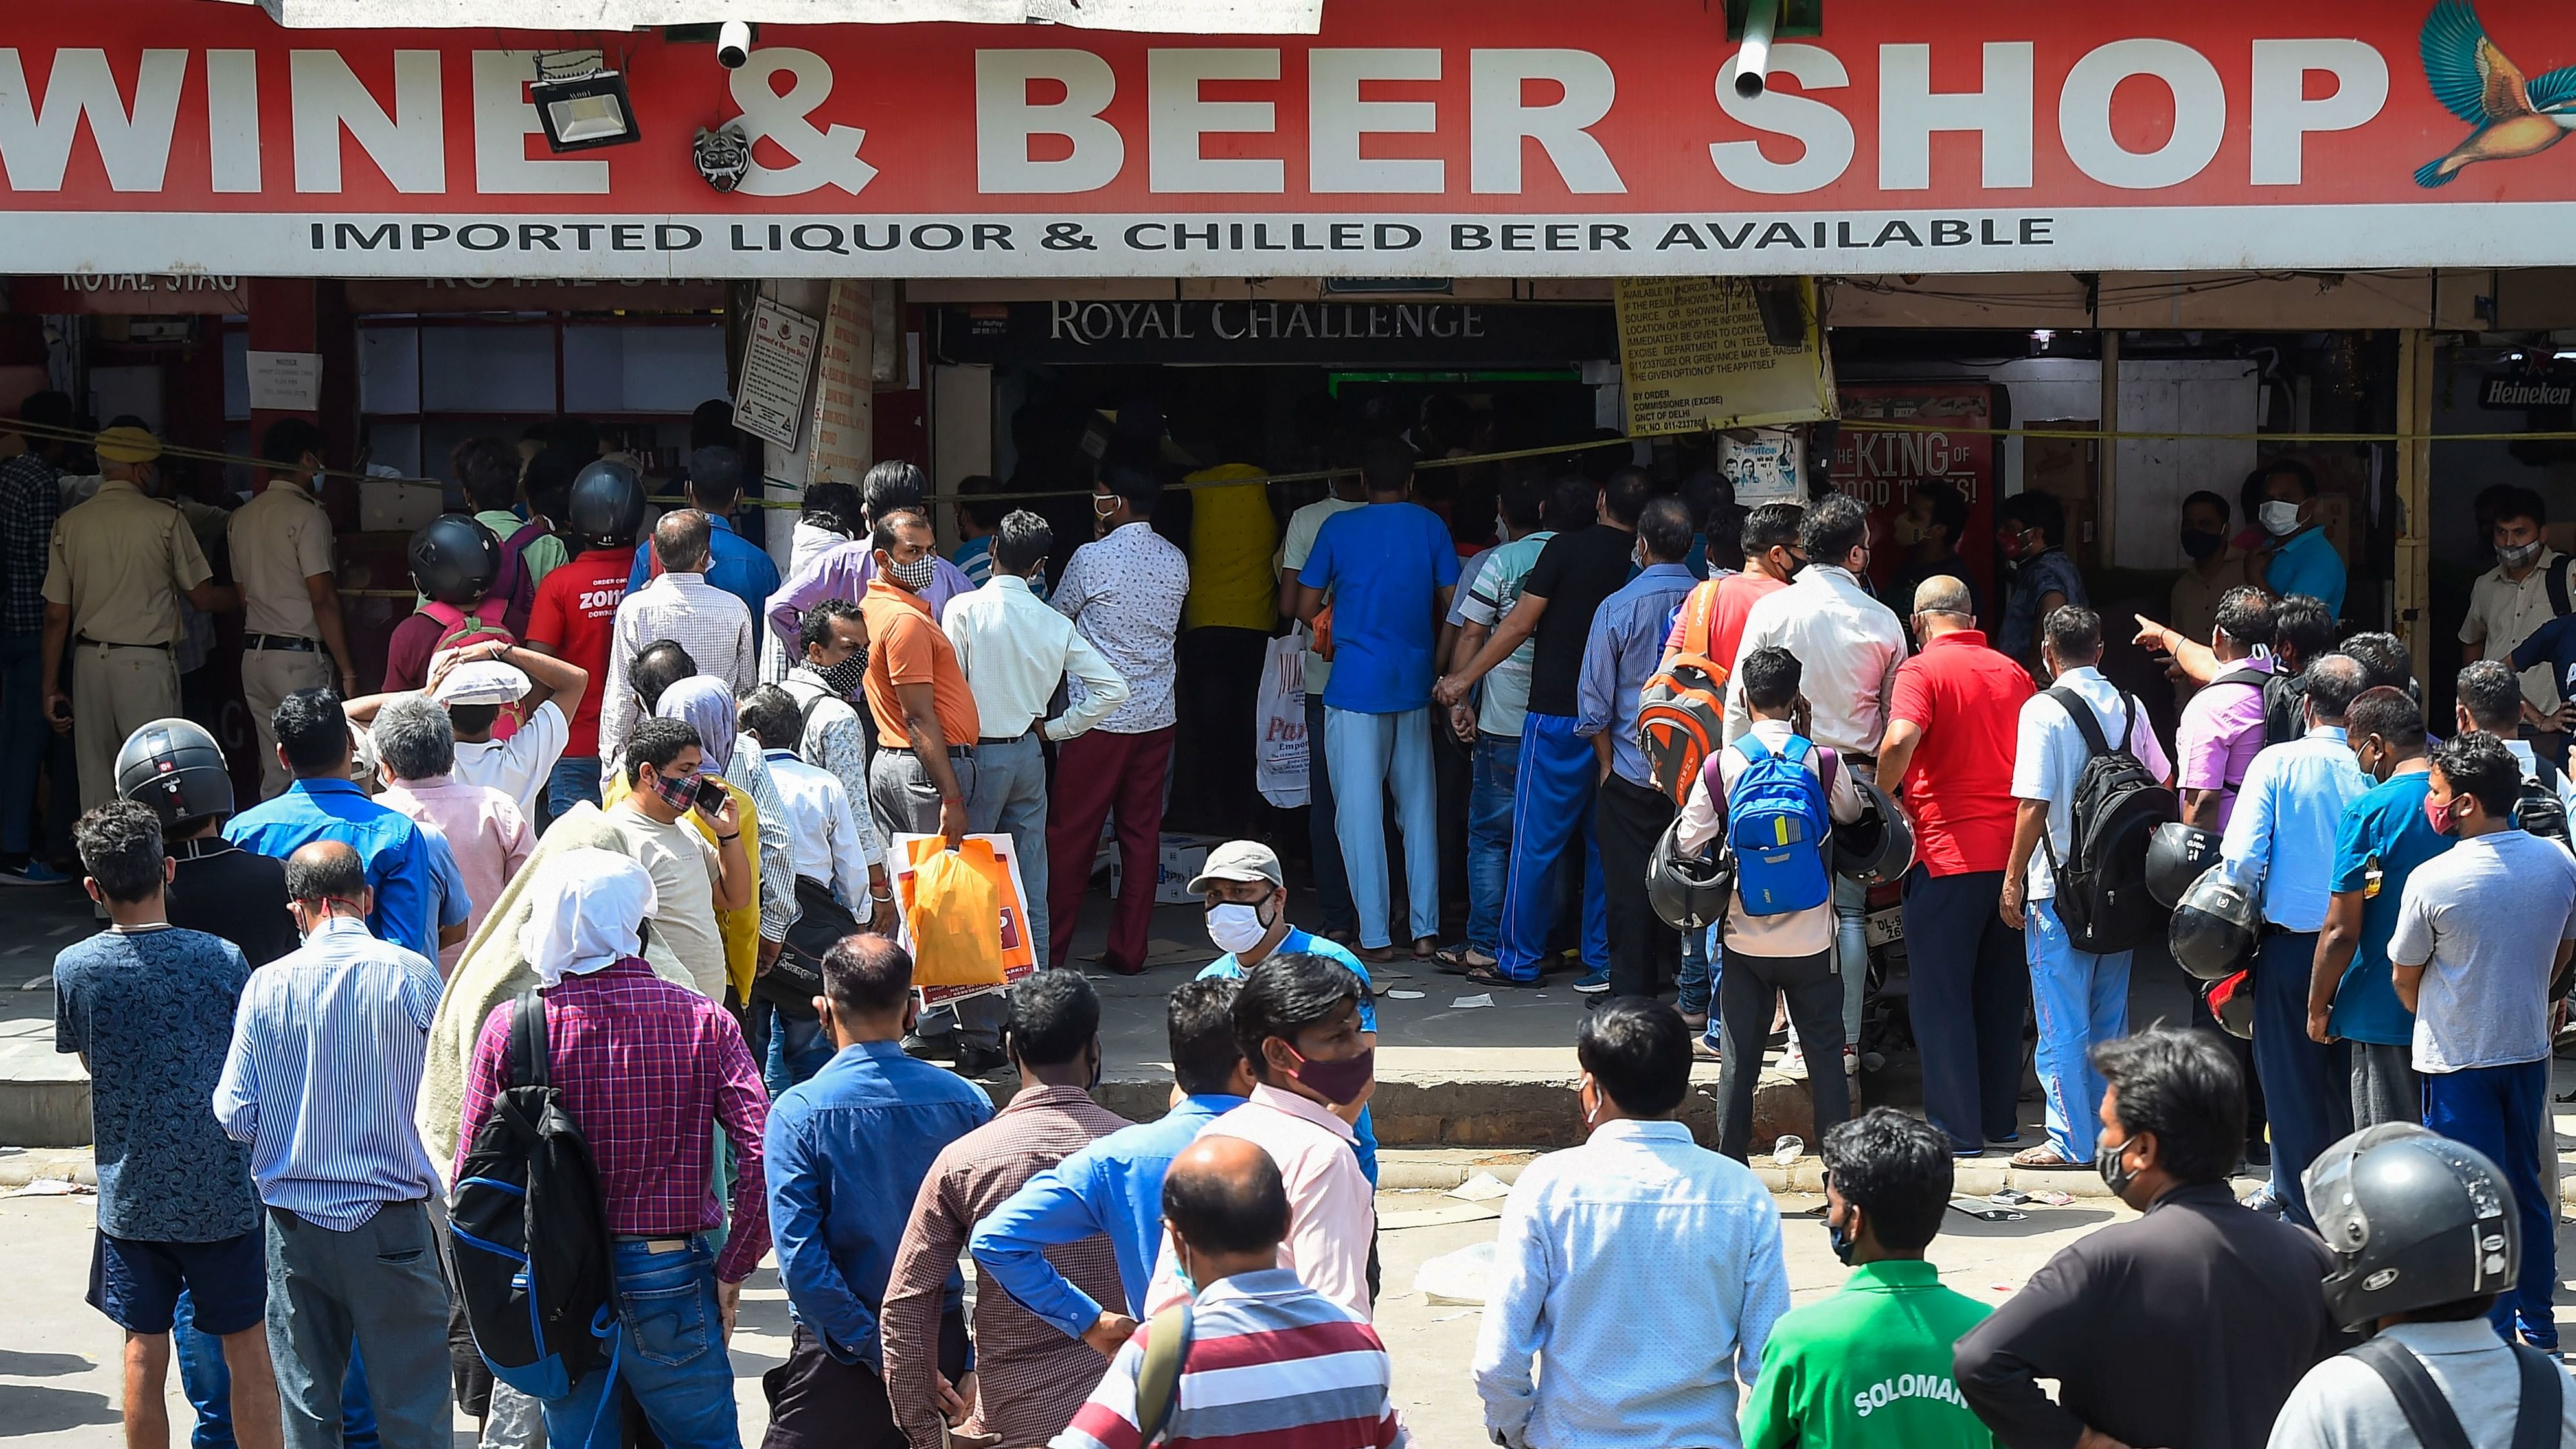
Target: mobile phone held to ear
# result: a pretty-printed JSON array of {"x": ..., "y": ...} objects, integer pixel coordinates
[{"x": 711, "y": 793}]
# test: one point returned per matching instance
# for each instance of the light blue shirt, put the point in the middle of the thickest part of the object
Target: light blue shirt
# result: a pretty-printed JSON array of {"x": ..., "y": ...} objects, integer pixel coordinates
[
  {"x": 845, "y": 1153},
  {"x": 1302, "y": 943},
  {"x": 1626, "y": 644},
  {"x": 1661, "y": 1262},
  {"x": 2308, "y": 564},
  {"x": 324, "y": 1068},
  {"x": 2288, "y": 814},
  {"x": 401, "y": 869},
  {"x": 1113, "y": 1187}
]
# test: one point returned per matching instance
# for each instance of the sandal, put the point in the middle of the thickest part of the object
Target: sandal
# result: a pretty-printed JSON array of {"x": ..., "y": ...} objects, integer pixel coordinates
[
  {"x": 2046, "y": 1158},
  {"x": 1459, "y": 960},
  {"x": 1488, "y": 976}
]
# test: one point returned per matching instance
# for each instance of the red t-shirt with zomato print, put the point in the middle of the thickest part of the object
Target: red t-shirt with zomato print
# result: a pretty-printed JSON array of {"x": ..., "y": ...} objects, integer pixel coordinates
[{"x": 574, "y": 617}]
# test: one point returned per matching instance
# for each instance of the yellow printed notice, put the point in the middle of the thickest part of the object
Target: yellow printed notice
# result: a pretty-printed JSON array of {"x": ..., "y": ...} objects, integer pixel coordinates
[{"x": 1694, "y": 356}]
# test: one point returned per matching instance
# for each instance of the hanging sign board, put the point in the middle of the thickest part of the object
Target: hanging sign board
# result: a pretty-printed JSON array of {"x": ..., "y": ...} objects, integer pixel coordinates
[
  {"x": 286, "y": 382},
  {"x": 777, "y": 366},
  {"x": 1764, "y": 465},
  {"x": 1883, "y": 467},
  {"x": 1694, "y": 355}
]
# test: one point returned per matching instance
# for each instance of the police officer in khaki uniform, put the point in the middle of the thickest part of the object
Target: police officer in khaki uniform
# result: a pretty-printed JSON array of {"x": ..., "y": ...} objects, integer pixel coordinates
[
  {"x": 114, "y": 575},
  {"x": 293, "y": 636}
]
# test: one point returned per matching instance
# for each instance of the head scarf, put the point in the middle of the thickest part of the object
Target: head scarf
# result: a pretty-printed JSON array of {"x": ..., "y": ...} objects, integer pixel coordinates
[
  {"x": 707, "y": 705},
  {"x": 586, "y": 910}
]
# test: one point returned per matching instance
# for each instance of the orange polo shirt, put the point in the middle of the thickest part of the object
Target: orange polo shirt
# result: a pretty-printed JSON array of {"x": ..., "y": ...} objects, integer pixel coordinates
[{"x": 905, "y": 646}]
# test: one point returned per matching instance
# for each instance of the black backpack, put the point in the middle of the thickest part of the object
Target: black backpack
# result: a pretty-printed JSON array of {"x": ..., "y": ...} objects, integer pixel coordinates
[
  {"x": 2537, "y": 1411},
  {"x": 530, "y": 1235},
  {"x": 2102, "y": 892},
  {"x": 2284, "y": 703},
  {"x": 795, "y": 978},
  {"x": 2540, "y": 811}
]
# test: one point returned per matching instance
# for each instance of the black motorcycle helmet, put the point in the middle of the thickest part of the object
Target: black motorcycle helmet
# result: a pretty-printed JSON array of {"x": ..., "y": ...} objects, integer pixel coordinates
[
  {"x": 1879, "y": 846},
  {"x": 2212, "y": 931},
  {"x": 2177, "y": 855},
  {"x": 1689, "y": 889},
  {"x": 175, "y": 767},
  {"x": 2414, "y": 1219},
  {"x": 2230, "y": 1000},
  {"x": 454, "y": 559},
  {"x": 607, "y": 505}
]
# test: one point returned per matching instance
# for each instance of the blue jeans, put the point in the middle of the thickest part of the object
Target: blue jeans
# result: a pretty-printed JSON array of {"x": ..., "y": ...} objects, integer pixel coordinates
[
  {"x": 1851, "y": 951},
  {"x": 2082, "y": 1000},
  {"x": 2307, "y": 1098},
  {"x": 796, "y": 1049},
  {"x": 1372, "y": 755},
  {"x": 1551, "y": 809},
  {"x": 574, "y": 780},
  {"x": 670, "y": 1358},
  {"x": 22, "y": 738},
  {"x": 208, "y": 1382},
  {"x": 1703, "y": 958},
  {"x": 2499, "y": 1111},
  {"x": 1489, "y": 837}
]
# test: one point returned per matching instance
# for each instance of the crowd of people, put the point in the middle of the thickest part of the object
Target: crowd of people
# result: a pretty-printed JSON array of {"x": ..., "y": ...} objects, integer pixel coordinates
[{"x": 620, "y": 827}]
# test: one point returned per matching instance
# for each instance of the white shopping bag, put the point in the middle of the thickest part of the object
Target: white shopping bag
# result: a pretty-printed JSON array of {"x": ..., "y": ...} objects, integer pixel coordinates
[{"x": 1279, "y": 758}]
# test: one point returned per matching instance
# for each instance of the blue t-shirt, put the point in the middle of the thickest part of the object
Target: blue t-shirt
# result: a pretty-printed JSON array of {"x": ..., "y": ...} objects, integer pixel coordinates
[
  {"x": 2553, "y": 644},
  {"x": 2048, "y": 572},
  {"x": 2308, "y": 564},
  {"x": 974, "y": 558},
  {"x": 152, "y": 1011},
  {"x": 2388, "y": 825},
  {"x": 1383, "y": 563},
  {"x": 1296, "y": 943}
]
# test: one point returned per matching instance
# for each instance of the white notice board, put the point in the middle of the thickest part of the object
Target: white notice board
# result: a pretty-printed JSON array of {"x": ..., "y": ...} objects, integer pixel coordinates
[{"x": 777, "y": 368}]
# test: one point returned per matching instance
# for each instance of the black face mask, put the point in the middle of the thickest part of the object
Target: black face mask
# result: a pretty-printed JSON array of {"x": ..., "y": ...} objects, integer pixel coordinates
[
  {"x": 2199, "y": 544},
  {"x": 1842, "y": 1241},
  {"x": 846, "y": 678}
]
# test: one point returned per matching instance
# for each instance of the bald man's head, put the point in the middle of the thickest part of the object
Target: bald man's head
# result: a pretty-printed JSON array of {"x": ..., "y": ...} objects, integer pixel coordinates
[
  {"x": 681, "y": 541},
  {"x": 1942, "y": 594},
  {"x": 1224, "y": 1196},
  {"x": 325, "y": 872}
]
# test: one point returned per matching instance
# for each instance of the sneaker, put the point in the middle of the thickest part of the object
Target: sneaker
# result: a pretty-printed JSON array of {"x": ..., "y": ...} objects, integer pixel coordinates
[
  {"x": 33, "y": 873},
  {"x": 1793, "y": 1065},
  {"x": 1593, "y": 982}
]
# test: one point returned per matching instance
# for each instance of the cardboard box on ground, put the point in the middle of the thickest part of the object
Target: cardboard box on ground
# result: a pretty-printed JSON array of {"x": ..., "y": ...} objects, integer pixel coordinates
[{"x": 1182, "y": 856}]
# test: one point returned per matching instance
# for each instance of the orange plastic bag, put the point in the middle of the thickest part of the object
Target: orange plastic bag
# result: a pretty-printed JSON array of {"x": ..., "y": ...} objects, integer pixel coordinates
[{"x": 956, "y": 920}]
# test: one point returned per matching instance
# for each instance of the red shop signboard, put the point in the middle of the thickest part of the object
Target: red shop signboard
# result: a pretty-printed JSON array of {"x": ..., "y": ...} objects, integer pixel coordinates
[{"x": 1881, "y": 466}]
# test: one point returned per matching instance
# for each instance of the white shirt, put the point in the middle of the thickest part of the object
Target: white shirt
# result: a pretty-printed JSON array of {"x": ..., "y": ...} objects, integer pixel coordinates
[
  {"x": 1849, "y": 644},
  {"x": 822, "y": 831},
  {"x": 1294, "y": 548},
  {"x": 1125, "y": 594},
  {"x": 1791, "y": 933},
  {"x": 519, "y": 765},
  {"x": 714, "y": 626},
  {"x": 1014, "y": 649},
  {"x": 1644, "y": 1273},
  {"x": 2049, "y": 752}
]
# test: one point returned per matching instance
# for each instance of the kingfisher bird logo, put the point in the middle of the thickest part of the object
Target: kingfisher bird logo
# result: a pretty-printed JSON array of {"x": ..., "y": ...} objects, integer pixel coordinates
[{"x": 2472, "y": 79}]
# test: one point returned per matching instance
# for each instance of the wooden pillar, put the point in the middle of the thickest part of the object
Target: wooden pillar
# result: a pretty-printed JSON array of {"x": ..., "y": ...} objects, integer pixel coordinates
[
  {"x": 2106, "y": 492},
  {"x": 2414, "y": 495}
]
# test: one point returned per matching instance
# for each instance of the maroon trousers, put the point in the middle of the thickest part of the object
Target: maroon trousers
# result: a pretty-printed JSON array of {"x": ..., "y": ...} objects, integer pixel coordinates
[{"x": 1094, "y": 774}]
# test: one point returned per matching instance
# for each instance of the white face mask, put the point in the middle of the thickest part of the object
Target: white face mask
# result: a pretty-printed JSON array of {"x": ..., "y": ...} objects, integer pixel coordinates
[
  {"x": 2280, "y": 519},
  {"x": 1235, "y": 928}
]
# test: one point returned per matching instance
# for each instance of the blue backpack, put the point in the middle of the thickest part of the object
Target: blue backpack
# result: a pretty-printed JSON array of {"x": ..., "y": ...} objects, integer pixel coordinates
[{"x": 1776, "y": 822}]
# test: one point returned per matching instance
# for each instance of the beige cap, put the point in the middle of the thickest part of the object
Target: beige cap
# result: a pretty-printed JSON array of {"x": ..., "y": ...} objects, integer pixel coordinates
[
  {"x": 128, "y": 445},
  {"x": 1239, "y": 860}
]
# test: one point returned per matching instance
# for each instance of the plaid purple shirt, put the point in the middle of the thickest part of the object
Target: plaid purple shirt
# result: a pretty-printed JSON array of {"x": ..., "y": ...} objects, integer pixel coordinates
[
  {"x": 647, "y": 1068},
  {"x": 30, "y": 497}
]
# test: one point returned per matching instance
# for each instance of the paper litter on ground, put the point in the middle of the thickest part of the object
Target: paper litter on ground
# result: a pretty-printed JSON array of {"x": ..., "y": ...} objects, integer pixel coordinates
[
  {"x": 1398, "y": 995},
  {"x": 1463, "y": 1277},
  {"x": 54, "y": 1187},
  {"x": 1481, "y": 998},
  {"x": 1483, "y": 1187}
]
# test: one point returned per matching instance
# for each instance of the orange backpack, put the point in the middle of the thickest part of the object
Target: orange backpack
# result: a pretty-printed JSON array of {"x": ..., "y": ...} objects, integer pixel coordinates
[{"x": 1681, "y": 715}]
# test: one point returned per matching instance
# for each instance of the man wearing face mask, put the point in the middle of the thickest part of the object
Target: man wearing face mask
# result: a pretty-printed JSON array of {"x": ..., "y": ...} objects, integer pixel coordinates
[
  {"x": 1124, "y": 594},
  {"x": 1637, "y": 1232},
  {"x": 923, "y": 775},
  {"x": 2483, "y": 937},
  {"x": 1929, "y": 530},
  {"x": 2280, "y": 842},
  {"x": 114, "y": 574},
  {"x": 2188, "y": 1326},
  {"x": 1028, "y": 1378},
  {"x": 692, "y": 878},
  {"x": 2298, "y": 557},
  {"x": 1872, "y": 1363},
  {"x": 2385, "y": 835},
  {"x": 2513, "y": 613},
  {"x": 1298, "y": 1022},
  {"x": 293, "y": 637},
  {"x": 1246, "y": 893},
  {"x": 847, "y": 1150},
  {"x": 2213, "y": 568},
  {"x": 829, "y": 685},
  {"x": 2030, "y": 533}
]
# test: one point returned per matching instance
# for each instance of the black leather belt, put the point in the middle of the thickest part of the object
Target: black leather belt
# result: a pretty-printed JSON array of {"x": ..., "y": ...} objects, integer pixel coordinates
[
  {"x": 1007, "y": 739},
  {"x": 954, "y": 752},
  {"x": 87, "y": 642},
  {"x": 287, "y": 642}
]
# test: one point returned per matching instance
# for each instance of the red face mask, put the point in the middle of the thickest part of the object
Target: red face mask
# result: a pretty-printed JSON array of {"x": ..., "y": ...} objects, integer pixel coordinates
[
  {"x": 1339, "y": 1082},
  {"x": 2442, "y": 814}
]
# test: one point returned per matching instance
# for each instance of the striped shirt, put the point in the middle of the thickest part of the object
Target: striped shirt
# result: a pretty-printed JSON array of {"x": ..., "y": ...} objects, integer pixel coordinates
[
  {"x": 325, "y": 1063},
  {"x": 684, "y": 608},
  {"x": 1270, "y": 1362}
]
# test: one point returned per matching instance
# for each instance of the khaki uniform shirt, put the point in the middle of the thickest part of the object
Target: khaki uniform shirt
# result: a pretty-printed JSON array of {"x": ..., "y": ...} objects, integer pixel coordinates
[
  {"x": 279, "y": 539},
  {"x": 2503, "y": 612},
  {"x": 2194, "y": 611},
  {"x": 120, "y": 562}
]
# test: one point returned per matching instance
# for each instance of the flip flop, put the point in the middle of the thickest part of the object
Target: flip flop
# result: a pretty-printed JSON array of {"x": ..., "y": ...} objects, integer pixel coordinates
[
  {"x": 1459, "y": 960},
  {"x": 2045, "y": 1158}
]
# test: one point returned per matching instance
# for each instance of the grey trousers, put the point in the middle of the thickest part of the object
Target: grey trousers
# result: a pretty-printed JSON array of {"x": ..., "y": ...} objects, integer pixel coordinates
[
  {"x": 376, "y": 1289},
  {"x": 904, "y": 801},
  {"x": 1011, "y": 799},
  {"x": 2384, "y": 1085}
]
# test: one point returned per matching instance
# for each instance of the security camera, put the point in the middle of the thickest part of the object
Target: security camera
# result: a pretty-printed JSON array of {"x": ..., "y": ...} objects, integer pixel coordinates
[{"x": 733, "y": 44}]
